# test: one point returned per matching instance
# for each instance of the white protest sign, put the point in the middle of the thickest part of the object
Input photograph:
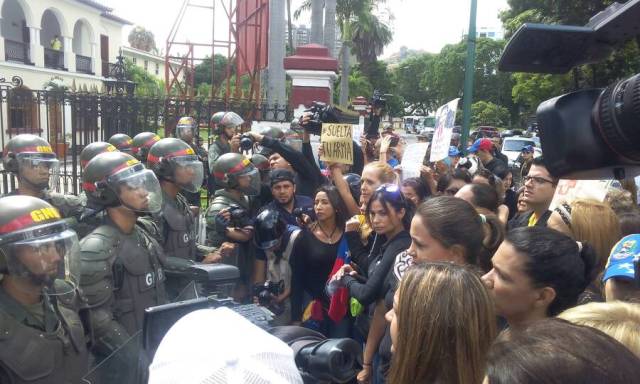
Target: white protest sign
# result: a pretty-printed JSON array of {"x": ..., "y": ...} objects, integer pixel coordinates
[
  {"x": 570, "y": 190},
  {"x": 412, "y": 159},
  {"x": 445, "y": 120}
]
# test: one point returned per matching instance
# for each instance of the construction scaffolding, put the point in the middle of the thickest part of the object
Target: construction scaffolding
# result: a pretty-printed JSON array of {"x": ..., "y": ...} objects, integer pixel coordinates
[{"x": 244, "y": 42}]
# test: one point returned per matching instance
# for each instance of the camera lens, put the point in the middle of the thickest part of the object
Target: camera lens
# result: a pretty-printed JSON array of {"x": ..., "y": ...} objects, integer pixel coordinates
[
  {"x": 246, "y": 143},
  {"x": 616, "y": 114}
]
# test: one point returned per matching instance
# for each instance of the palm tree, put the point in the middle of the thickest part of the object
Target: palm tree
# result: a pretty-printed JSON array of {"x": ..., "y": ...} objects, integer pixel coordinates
[{"x": 363, "y": 34}]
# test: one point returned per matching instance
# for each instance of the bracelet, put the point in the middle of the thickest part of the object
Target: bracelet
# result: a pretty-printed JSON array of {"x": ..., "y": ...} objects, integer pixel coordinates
[{"x": 366, "y": 364}]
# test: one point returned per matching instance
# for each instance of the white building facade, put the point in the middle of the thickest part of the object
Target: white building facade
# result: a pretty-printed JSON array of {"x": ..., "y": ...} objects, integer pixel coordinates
[
  {"x": 88, "y": 39},
  {"x": 154, "y": 65}
]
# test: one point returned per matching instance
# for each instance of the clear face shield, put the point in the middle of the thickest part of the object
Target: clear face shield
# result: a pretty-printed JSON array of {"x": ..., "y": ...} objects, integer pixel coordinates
[
  {"x": 185, "y": 132},
  {"x": 45, "y": 254},
  {"x": 249, "y": 182},
  {"x": 188, "y": 172},
  {"x": 40, "y": 169},
  {"x": 137, "y": 188}
]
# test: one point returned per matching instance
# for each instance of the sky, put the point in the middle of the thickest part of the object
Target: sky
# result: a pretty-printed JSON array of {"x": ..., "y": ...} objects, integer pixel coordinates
[{"x": 417, "y": 24}]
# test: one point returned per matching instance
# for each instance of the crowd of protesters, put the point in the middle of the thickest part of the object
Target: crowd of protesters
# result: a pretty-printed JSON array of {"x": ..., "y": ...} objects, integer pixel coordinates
[{"x": 459, "y": 275}]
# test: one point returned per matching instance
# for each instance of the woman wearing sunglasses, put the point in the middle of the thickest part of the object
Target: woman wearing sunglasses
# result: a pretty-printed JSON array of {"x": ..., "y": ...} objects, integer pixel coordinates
[{"x": 389, "y": 214}]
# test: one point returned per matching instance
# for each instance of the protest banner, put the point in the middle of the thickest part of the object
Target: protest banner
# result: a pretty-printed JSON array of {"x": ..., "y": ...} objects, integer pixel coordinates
[
  {"x": 570, "y": 190},
  {"x": 412, "y": 159},
  {"x": 445, "y": 120},
  {"x": 337, "y": 143}
]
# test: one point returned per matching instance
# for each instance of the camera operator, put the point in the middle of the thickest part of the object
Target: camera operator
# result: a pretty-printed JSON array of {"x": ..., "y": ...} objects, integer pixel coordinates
[
  {"x": 274, "y": 240},
  {"x": 224, "y": 125},
  {"x": 231, "y": 209},
  {"x": 285, "y": 200},
  {"x": 308, "y": 176},
  {"x": 539, "y": 188}
]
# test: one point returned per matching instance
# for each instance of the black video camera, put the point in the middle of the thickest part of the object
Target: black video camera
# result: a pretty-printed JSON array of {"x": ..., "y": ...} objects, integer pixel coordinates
[
  {"x": 266, "y": 292},
  {"x": 379, "y": 99},
  {"x": 299, "y": 211},
  {"x": 239, "y": 216},
  {"x": 323, "y": 113},
  {"x": 246, "y": 142},
  {"x": 587, "y": 134}
]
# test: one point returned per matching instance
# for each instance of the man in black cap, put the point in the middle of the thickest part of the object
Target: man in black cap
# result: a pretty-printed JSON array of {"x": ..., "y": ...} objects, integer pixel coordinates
[{"x": 285, "y": 200}]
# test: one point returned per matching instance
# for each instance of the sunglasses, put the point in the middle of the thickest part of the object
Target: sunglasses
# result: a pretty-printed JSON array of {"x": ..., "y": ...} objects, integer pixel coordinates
[{"x": 391, "y": 192}]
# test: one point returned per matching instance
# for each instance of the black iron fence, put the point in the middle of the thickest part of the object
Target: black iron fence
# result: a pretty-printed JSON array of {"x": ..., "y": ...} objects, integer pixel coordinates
[{"x": 71, "y": 120}]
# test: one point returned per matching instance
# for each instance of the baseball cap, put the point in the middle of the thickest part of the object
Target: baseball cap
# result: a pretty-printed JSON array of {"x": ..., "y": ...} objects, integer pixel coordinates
[
  {"x": 527, "y": 148},
  {"x": 454, "y": 151},
  {"x": 278, "y": 175},
  {"x": 221, "y": 346},
  {"x": 624, "y": 253},
  {"x": 481, "y": 144}
]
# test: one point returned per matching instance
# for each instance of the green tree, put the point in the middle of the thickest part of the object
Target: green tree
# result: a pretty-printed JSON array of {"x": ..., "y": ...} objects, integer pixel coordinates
[
  {"x": 488, "y": 113},
  {"x": 417, "y": 96},
  {"x": 142, "y": 39},
  {"x": 146, "y": 84},
  {"x": 203, "y": 71}
]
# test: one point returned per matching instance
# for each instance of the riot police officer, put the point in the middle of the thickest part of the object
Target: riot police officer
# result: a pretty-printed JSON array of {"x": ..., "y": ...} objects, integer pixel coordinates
[
  {"x": 93, "y": 215},
  {"x": 94, "y": 149},
  {"x": 33, "y": 161},
  {"x": 141, "y": 144},
  {"x": 231, "y": 209},
  {"x": 121, "y": 262},
  {"x": 225, "y": 127},
  {"x": 41, "y": 339},
  {"x": 186, "y": 130},
  {"x": 178, "y": 168},
  {"x": 122, "y": 142}
]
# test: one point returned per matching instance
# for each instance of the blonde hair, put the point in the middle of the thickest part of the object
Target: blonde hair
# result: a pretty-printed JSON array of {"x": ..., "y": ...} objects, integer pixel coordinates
[
  {"x": 385, "y": 172},
  {"x": 617, "y": 319},
  {"x": 446, "y": 323},
  {"x": 595, "y": 223}
]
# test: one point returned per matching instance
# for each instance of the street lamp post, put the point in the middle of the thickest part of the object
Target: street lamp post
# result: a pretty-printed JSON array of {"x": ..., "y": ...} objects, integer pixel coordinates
[{"x": 469, "y": 74}]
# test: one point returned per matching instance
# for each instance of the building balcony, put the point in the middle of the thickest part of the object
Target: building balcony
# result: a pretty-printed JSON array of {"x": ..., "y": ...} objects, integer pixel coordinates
[
  {"x": 83, "y": 64},
  {"x": 53, "y": 59},
  {"x": 16, "y": 51}
]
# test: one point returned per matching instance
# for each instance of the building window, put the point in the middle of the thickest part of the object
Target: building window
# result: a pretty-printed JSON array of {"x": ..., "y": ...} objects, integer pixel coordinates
[
  {"x": 146, "y": 65},
  {"x": 157, "y": 69},
  {"x": 492, "y": 34},
  {"x": 134, "y": 60}
]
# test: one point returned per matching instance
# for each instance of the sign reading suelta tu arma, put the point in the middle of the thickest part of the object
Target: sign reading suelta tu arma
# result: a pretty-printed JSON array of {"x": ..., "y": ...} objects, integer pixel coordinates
[{"x": 337, "y": 143}]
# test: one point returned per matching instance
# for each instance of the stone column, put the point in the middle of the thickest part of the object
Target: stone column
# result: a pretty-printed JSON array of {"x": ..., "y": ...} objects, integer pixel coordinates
[
  {"x": 316, "y": 22},
  {"x": 276, "y": 93},
  {"x": 95, "y": 61},
  {"x": 69, "y": 56},
  {"x": 330, "y": 26},
  {"x": 36, "y": 50}
]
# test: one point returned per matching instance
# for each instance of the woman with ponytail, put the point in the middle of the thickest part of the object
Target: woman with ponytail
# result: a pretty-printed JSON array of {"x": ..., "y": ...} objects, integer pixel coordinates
[{"x": 538, "y": 273}]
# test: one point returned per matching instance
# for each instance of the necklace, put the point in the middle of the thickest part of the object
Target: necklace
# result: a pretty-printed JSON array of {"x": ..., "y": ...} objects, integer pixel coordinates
[{"x": 330, "y": 237}]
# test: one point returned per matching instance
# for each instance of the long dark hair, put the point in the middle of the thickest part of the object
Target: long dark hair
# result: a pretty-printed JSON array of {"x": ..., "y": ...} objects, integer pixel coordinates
[
  {"x": 447, "y": 178},
  {"x": 391, "y": 194},
  {"x": 421, "y": 190},
  {"x": 336, "y": 202},
  {"x": 557, "y": 261}
]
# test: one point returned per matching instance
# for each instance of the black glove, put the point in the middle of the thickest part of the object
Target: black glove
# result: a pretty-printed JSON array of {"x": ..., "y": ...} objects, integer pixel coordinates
[{"x": 222, "y": 223}]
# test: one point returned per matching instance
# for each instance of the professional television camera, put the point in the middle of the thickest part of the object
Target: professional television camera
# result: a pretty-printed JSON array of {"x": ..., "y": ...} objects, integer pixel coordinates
[
  {"x": 266, "y": 292},
  {"x": 587, "y": 134},
  {"x": 323, "y": 113}
]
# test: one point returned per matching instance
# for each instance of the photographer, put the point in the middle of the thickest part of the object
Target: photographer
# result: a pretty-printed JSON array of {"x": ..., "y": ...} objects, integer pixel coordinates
[
  {"x": 224, "y": 125},
  {"x": 285, "y": 199},
  {"x": 274, "y": 240},
  {"x": 230, "y": 211},
  {"x": 308, "y": 176}
]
